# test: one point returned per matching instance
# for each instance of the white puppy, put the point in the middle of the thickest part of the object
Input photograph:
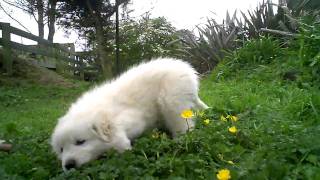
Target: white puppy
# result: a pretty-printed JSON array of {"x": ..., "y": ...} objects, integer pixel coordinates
[{"x": 150, "y": 95}]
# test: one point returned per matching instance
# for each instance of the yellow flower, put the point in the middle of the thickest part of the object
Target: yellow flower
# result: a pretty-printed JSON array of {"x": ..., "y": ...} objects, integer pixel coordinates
[
  {"x": 222, "y": 118},
  {"x": 233, "y": 129},
  {"x": 206, "y": 122},
  {"x": 234, "y": 118},
  {"x": 187, "y": 114},
  {"x": 224, "y": 174}
]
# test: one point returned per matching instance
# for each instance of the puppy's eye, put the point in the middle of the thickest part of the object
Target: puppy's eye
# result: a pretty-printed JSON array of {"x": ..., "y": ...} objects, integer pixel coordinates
[
  {"x": 80, "y": 142},
  {"x": 61, "y": 150}
]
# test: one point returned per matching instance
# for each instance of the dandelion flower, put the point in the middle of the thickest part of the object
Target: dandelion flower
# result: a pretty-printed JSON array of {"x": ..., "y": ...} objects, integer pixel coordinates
[
  {"x": 222, "y": 118},
  {"x": 187, "y": 114},
  {"x": 233, "y": 129},
  {"x": 224, "y": 174},
  {"x": 234, "y": 118},
  {"x": 206, "y": 122}
]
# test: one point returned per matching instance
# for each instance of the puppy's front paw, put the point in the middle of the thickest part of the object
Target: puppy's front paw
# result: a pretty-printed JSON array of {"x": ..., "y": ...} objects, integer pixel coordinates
[
  {"x": 123, "y": 147},
  {"x": 123, "y": 144}
]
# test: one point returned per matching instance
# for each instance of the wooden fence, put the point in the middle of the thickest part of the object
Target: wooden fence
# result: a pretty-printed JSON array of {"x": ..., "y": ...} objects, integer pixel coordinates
[{"x": 44, "y": 48}]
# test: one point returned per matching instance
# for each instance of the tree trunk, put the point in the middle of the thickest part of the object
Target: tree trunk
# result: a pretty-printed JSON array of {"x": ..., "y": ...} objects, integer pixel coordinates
[
  {"x": 117, "y": 40},
  {"x": 102, "y": 55},
  {"x": 106, "y": 65},
  {"x": 40, "y": 18},
  {"x": 51, "y": 18}
]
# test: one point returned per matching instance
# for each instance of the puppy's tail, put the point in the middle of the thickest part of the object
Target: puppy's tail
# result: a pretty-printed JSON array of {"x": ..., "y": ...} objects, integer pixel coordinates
[{"x": 201, "y": 105}]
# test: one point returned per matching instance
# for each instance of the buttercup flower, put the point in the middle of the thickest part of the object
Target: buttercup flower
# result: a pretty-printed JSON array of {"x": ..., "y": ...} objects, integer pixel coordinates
[
  {"x": 187, "y": 114},
  {"x": 233, "y": 129},
  {"x": 206, "y": 122},
  {"x": 222, "y": 118},
  {"x": 234, "y": 118},
  {"x": 224, "y": 174}
]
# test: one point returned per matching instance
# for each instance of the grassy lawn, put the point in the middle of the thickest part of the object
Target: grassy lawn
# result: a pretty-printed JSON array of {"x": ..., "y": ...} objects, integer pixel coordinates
[
  {"x": 277, "y": 133},
  {"x": 27, "y": 117}
]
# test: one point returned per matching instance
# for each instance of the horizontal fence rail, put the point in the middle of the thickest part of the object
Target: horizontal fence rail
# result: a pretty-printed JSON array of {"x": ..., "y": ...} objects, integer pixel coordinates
[{"x": 44, "y": 48}]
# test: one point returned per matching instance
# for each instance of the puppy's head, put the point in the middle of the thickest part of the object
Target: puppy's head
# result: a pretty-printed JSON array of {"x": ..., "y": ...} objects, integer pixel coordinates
[{"x": 80, "y": 138}]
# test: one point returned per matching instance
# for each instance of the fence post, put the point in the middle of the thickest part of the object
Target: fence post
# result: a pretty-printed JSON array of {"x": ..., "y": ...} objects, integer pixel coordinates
[
  {"x": 7, "y": 47},
  {"x": 56, "y": 58}
]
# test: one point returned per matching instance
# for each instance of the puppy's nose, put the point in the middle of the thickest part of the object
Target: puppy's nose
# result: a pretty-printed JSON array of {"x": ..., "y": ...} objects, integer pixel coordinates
[{"x": 70, "y": 164}]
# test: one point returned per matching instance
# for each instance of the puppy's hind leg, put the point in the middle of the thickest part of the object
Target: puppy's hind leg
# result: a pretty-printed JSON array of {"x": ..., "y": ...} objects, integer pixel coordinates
[{"x": 200, "y": 104}]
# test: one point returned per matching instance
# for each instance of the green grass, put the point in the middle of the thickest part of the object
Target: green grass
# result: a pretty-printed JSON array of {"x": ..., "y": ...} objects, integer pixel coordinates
[
  {"x": 279, "y": 120},
  {"x": 28, "y": 114},
  {"x": 278, "y": 132}
]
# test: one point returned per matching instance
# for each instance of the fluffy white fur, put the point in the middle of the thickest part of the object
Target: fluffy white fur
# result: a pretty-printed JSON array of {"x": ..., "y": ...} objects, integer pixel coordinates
[{"x": 150, "y": 95}]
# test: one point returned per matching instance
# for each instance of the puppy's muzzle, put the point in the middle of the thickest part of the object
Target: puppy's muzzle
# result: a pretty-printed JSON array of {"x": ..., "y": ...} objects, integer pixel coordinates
[{"x": 71, "y": 163}]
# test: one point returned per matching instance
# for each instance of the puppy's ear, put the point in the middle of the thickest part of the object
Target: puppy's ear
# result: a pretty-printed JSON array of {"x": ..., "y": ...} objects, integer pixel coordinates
[{"x": 103, "y": 130}]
